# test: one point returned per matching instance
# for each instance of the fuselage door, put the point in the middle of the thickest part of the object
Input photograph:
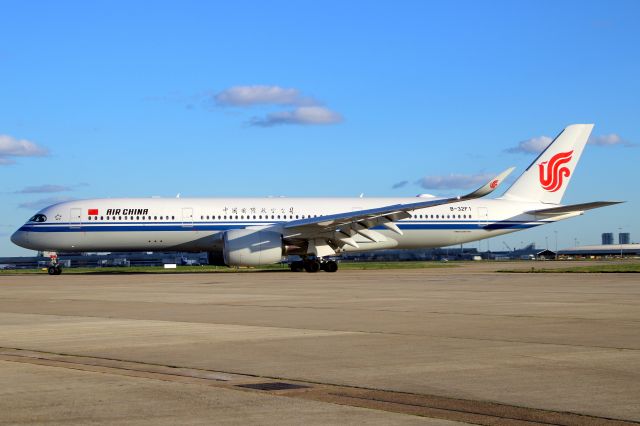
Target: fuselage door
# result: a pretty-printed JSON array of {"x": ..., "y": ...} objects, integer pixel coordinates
[
  {"x": 187, "y": 217},
  {"x": 75, "y": 218},
  {"x": 483, "y": 214}
]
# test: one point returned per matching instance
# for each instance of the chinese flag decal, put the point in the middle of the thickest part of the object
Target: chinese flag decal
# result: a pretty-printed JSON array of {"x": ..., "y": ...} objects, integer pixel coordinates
[{"x": 93, "y": 212}]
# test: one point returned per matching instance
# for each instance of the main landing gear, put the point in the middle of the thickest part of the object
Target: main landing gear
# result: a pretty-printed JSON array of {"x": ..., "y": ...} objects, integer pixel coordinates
[{"x": 314, "y": 265}]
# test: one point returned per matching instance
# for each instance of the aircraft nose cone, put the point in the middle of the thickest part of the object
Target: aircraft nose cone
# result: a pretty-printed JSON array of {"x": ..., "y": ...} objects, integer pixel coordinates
[{"x": 18, "y": 238}]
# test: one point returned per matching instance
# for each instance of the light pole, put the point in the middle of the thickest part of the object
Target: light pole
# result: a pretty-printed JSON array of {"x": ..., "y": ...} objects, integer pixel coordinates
[
  {"x": 619, "y": 243},
  {"x": 556, "y": 254}
]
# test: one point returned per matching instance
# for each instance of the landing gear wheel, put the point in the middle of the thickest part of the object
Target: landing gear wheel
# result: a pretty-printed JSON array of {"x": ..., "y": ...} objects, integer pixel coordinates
[
  {"x": 330, "y": 266},
  {"x": 54, "y": 270},
  {"x": 297, "y": 266},
  {"x": 312, "y": 266}
]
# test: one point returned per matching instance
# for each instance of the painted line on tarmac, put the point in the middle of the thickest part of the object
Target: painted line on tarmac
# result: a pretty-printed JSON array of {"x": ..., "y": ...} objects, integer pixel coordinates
[{"x": 433, "y": 406}]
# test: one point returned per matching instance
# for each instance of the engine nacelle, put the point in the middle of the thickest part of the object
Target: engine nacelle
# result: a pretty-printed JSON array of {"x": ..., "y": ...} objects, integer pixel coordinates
[{"x": 251, "y": 247}]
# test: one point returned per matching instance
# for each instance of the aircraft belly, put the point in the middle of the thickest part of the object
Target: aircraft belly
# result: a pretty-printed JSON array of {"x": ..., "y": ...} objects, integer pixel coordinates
[
  {"x": 428, "y": 238},
  {"x": 188, "y": 240}
]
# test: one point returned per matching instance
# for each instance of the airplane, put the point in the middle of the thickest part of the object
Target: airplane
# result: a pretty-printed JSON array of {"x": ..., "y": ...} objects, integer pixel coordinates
[{"x": 258, "y": 231}]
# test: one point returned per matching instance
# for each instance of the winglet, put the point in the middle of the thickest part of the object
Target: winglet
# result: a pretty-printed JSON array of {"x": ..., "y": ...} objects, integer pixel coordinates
[{"x": 489, "y": 187}]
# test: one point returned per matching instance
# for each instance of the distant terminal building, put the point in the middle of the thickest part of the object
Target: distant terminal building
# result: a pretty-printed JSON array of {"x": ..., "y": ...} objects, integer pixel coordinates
[
  {"x": 624, "y": 238},
  {"x": 602, "y": 251},
  {"x": 607, "y": 238}
]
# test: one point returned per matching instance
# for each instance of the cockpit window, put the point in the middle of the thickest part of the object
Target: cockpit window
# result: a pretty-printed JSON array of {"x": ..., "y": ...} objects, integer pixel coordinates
[{"x": 38, "y": 218}]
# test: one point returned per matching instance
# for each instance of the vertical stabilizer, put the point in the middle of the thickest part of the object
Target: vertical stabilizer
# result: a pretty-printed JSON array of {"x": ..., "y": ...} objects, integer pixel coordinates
[{"x": 546, "y": 179}]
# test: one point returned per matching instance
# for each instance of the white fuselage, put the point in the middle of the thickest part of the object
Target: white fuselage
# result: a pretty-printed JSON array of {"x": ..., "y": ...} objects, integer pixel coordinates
[{"x": 194, "y": 224}]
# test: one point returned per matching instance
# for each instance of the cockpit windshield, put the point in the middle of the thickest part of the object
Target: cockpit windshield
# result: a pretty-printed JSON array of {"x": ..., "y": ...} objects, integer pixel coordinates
[{"x": 38, "y": 218}]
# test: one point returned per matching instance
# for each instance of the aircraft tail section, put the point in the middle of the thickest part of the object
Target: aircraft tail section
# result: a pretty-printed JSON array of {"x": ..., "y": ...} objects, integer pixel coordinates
[{"x": 546, "y": 179}]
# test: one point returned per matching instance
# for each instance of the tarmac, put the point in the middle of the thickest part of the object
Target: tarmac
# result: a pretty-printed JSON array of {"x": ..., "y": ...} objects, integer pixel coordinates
[{"x": 438, "y": 346}]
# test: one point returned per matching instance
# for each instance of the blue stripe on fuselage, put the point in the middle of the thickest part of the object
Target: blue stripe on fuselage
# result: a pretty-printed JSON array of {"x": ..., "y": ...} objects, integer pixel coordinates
[{"x": 159, "y": 226}]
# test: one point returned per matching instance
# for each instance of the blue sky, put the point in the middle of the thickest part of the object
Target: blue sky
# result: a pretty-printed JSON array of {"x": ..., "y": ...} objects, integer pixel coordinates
[{"x": 106, "y": 99}]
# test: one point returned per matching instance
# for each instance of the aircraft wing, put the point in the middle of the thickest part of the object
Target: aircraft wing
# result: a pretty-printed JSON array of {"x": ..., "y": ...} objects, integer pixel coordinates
[
  {"x": 573, "y": 208},
  {"x": 350, "y": 223}
]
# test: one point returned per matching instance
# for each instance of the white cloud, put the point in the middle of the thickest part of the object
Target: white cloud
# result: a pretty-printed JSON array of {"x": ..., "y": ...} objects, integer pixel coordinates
[
  {"x": 609, "y": 140},
  {"x": 244, "y": 96},
  {"x": 306, "y": 111},
  {"x": 44, "y": 202},
  {"x": 12, "y": 147},
  {"x": 400, "y": 184},
  {"x": 454, "y": 181},
  {"x": 302, "y": 115},
  {"x": 531, "y": 146},
  {"x": 538, "y": 144},
  {"x": 47, "y": 188}
]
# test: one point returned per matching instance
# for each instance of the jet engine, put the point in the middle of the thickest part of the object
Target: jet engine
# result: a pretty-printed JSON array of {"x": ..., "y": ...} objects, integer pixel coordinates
[{"x": 251, "y": 247}]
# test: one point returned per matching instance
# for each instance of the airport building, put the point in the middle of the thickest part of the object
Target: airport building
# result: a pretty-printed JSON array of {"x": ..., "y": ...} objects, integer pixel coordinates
[
  {"x": 97, "y": 260},
  {"x": 601, "y": 251},
  {"x": 607, "y": 238},
  {"x": 624, "y": 238}
]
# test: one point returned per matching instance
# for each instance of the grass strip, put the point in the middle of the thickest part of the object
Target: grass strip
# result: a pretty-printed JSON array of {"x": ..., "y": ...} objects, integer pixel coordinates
[{"x": 224, "y": 269}]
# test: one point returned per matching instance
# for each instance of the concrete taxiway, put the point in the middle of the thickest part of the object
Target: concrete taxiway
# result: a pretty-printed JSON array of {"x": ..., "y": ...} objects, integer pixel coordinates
[{"x": 434, "y": 346}]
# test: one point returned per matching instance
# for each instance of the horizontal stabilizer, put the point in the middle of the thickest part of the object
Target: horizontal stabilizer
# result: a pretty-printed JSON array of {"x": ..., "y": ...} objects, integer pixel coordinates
[{"x": 553, "y": 211}]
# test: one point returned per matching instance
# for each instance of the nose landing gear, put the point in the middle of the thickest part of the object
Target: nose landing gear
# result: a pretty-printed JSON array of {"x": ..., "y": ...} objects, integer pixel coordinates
[
  {"x": 54, "y": 267},
  {"x": 54, "y": 270}
]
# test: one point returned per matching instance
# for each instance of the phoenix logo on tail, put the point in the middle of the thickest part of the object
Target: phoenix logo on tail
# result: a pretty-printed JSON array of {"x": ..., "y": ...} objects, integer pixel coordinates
[{"x": 552, "y": 172}]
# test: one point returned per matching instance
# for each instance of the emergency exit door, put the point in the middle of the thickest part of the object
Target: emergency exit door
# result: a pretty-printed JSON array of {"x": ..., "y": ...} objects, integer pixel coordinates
[
  {"x": 75, "y": 218},
  {"x": 483, "y": 214},
  {"x": 187, "y": 217}
]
